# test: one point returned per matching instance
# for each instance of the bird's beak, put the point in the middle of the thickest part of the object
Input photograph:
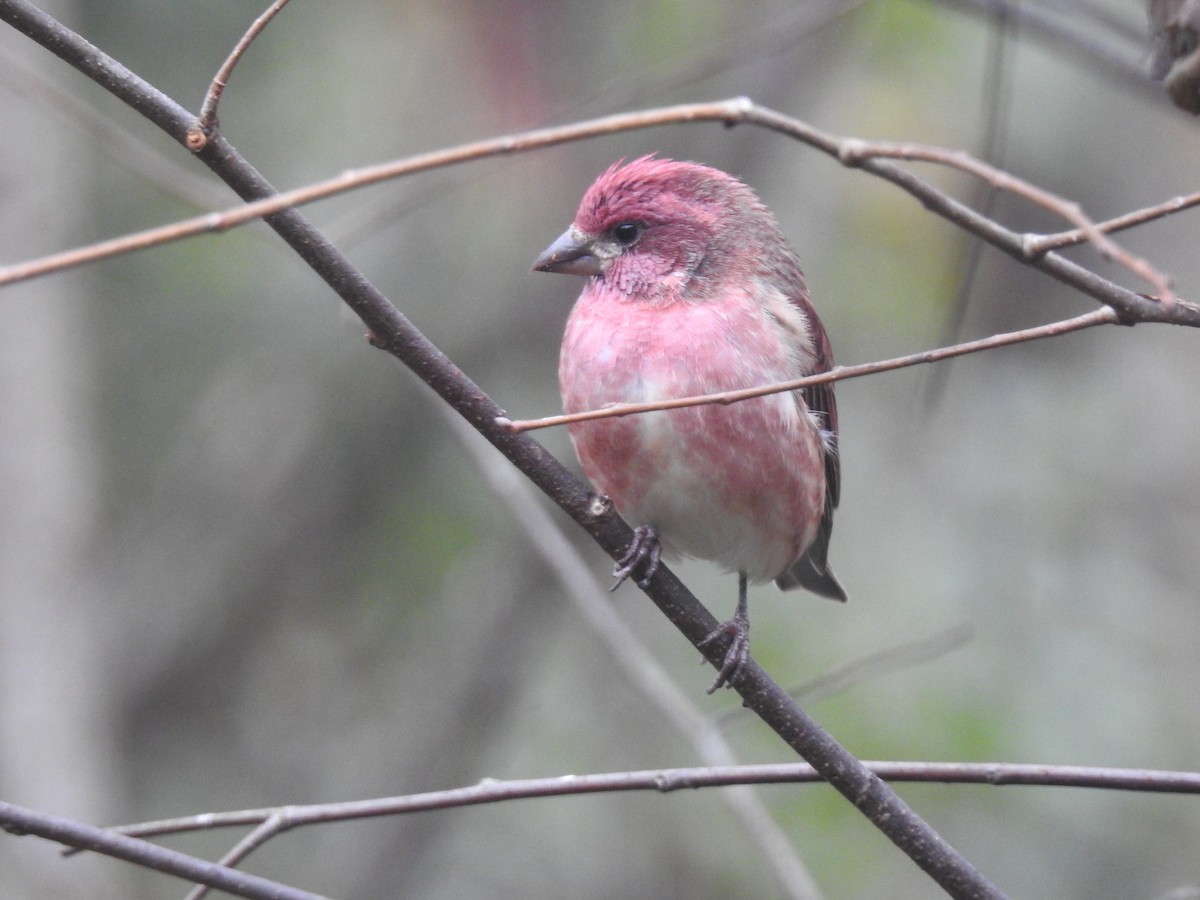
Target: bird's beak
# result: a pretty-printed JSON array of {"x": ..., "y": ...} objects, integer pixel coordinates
[{"x": 574, "y": 253}]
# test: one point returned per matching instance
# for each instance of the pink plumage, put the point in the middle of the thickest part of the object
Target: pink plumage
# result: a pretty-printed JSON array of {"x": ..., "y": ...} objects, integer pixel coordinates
[{"x": 692, "y": 289}]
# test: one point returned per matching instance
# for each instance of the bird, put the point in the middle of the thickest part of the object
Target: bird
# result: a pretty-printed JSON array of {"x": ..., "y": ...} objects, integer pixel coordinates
[{"x": 693, "y": 289}]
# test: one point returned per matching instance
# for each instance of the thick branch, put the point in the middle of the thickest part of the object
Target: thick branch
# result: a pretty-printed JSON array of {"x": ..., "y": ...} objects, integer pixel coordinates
[{"x": 393, "y": 332}]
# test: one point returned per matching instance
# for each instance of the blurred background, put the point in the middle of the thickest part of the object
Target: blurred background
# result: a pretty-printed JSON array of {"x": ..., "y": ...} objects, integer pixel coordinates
[{"x": 247, "y": 560}]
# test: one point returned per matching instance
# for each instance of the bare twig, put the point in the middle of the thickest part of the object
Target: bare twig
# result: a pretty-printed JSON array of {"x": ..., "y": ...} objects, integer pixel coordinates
[
  {"x": 1132, "y": 307},
  {"x": 631, "y": 656},
  {"x": 275, "y": 823},
  {"x": 199, "y": 134},
  {"x": 391, "y": 331},
  {"x": 19, "y": 820},
  {"x": 727, "y": 112},
  {"x": 666, "y": 780},
  {"x": 1037, "y": 245},
  {"x": 853, "y": 151},
  {"x": 1103, "y": 316}
]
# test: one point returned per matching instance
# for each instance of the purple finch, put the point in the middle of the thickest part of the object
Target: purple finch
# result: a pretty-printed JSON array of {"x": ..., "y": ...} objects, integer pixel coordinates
[{"x": 692, "y": 289}]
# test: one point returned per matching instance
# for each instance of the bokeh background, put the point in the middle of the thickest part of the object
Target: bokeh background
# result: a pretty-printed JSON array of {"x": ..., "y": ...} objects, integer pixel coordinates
[{"x": 247, "y": 560}]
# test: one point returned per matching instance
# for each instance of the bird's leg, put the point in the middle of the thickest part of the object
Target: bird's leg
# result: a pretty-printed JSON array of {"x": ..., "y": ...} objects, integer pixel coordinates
[
  {"x": 739, "y": 648},
  {"x": 641, "y": 559}
]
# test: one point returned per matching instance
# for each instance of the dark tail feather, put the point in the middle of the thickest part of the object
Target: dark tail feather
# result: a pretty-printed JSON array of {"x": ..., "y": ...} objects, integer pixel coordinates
[{"x": 812, "y": 572}]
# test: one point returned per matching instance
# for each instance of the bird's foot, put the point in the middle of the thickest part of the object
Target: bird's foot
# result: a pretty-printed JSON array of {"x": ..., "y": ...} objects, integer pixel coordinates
[
  {"x": 737, "y": 628},
  {"x": 641, "y": 559}
]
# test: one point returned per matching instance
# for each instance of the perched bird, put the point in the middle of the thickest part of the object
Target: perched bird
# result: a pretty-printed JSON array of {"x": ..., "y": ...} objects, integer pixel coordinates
[{"x": 692, "y": 289}]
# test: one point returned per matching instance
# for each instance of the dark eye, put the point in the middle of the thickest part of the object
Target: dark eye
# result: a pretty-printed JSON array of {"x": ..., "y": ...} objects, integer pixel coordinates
[{"x": 627, "y": 232}]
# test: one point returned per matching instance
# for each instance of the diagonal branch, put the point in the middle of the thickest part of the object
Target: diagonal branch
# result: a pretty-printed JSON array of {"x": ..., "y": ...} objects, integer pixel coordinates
[
  {"x": 1040, "y": 244},
  {"x": 1028, "y": 249},
  {"x": 391, "y": 331},
  {"x": 198, "y": 136},
  {"x": 278, "y": 822},
  {"x": 1133, "y": 307},
  {"x": 855, "y": 151},
  {"x": 19, "y": 820},
  {"x": 631, "y": 656}
]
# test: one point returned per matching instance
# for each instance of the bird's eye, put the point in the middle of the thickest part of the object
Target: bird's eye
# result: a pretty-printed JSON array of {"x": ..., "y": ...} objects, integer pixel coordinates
[{"x": 627, "y": 232}]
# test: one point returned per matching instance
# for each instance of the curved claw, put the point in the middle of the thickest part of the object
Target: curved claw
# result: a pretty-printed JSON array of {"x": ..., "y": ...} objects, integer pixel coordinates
[
  {"x": 641, "y": 559},
  {"x": 738, "y": 628},
  {"x": 737, "y": 653}
]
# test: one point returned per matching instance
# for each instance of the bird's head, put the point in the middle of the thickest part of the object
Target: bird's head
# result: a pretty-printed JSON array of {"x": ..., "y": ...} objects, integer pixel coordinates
[{"x": 659, "y": 230}]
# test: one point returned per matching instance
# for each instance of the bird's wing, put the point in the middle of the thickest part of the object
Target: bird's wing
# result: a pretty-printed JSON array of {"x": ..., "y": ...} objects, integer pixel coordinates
[{"x": 812, "y": 571}]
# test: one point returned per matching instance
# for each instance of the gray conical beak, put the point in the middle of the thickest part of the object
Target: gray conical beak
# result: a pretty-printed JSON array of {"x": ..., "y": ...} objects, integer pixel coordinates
[{"x": 572, "y": 254}]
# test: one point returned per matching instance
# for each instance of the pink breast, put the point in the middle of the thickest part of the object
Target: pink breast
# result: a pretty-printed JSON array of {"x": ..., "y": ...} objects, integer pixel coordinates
[{"x": 741, "y": 484}]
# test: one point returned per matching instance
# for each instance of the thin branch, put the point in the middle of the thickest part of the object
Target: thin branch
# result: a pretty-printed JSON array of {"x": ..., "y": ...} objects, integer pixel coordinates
[
  {"x": 1132, "y": 306},
  {"x": 630, "y": 655},
  {"x": 853, "y": 151},
  {"x": 274, "y": 824},
  {"x": 207, "y": 123},
  {"x": 19, "y": 820},
  {"x": 727, "y": 112},
  {"x": 1039, "y": 244},
  {"x": 665, "y": 780},
  {"x": 1103, "y": 316},
  {"x": 391, "y": 331}
]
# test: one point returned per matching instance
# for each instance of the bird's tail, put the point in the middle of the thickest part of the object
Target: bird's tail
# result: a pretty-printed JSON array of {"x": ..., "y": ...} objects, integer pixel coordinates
[{"x": 812, "y": 572}]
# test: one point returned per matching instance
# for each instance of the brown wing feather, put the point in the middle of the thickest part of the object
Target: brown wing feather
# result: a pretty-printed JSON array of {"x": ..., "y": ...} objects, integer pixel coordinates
[{"x": 812, "y": 570}]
